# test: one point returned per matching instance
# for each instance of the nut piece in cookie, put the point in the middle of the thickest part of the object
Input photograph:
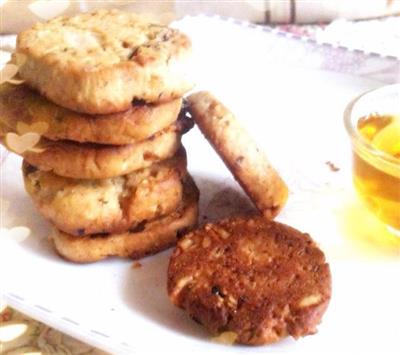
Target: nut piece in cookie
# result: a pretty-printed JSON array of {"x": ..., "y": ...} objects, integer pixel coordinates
[
  {"x": 146, "y": 239},
  {"x": 99, "y": 62},
  {"x": 240, "y": 153},
  {"x": 259, "y": 279}
]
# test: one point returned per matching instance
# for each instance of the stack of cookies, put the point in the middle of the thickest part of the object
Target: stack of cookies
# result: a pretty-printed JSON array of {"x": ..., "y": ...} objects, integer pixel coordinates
[{"x": 105, "y": 91}]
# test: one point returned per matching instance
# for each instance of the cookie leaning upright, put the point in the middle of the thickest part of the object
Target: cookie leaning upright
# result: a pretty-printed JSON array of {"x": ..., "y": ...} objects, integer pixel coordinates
[
  {"x": 238, "y": 150},
  {"x": 102, "y": 61}
]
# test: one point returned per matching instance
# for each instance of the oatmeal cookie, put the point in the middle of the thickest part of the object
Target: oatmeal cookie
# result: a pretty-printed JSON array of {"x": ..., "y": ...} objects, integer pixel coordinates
[
  {"x": 240, "y": 153},
  {"x": 95, "y": 161},
  {"x": 259, "y": 279},
  {"x": 21, "y": 105},
  {"x": 146, "y": 239},
  {"x": 114, "y": 205},
  {"x": 100, "y": 62}
]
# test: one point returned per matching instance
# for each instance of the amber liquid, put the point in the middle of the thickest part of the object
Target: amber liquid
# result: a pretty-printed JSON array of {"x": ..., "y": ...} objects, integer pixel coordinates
[{"x": 378, "y": 182}]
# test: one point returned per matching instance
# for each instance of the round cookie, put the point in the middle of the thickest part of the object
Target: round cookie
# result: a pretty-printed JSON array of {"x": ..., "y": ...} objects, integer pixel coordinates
[
  {"x": 100, "y": 62},
  {"x": 146, "y": 239},
  {"x": 19, "y": 105},
  {"x": 260, "y": 279},
  {"x": 240, "y": 153},
  {"x": 93, "y": 161},
  {"x": 113, "y": 205}
]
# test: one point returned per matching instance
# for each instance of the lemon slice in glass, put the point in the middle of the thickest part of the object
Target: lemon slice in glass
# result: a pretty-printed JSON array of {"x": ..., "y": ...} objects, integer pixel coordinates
[{"x": 388, "y": 139}]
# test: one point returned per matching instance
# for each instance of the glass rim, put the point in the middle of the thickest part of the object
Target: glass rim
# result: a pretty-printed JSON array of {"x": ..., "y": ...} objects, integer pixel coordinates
[{"x": 355, "y": 135}]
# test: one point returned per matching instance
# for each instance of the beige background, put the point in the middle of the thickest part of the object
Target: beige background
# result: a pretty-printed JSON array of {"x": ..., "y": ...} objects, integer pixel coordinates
[{"x": 17, "y": 15}]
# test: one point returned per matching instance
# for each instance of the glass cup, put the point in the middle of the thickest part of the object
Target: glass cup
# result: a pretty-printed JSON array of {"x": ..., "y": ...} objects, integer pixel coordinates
[{"x": 376, "y": 164}]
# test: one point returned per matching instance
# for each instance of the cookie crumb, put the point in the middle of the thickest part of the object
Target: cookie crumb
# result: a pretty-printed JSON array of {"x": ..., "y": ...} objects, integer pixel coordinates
[
  {"x": 6, "y": 315},
  {"x": 332, "y": 166},
  {"x": 136, "y": 265}
]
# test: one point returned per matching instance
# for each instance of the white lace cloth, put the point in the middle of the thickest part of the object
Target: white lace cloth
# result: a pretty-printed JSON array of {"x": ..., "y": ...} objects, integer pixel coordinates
[{"x": 376, "y": 36}]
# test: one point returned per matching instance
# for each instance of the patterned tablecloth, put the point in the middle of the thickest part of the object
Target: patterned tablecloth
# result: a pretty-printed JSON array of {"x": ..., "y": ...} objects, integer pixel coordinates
[
  {"x": 40, "y": 339},
  {"x": 375, "y": 53}
]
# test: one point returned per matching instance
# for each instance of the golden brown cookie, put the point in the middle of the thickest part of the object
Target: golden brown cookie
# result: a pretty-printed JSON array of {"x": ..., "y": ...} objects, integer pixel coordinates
[
  {"x": 146, "y": 239},
  {"x": 23, "y": 107},
  {"x": 94, "y": 161},
  {"x": 240, "y": 153},
  {"x": 100, "y": 62},
  {"x": 113, "y": 205},
  {"x": 259, "y": 279}
]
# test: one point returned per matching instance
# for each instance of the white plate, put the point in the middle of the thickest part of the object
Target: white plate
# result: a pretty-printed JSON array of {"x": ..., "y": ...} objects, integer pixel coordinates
[{"x": 296, "y": 115}]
